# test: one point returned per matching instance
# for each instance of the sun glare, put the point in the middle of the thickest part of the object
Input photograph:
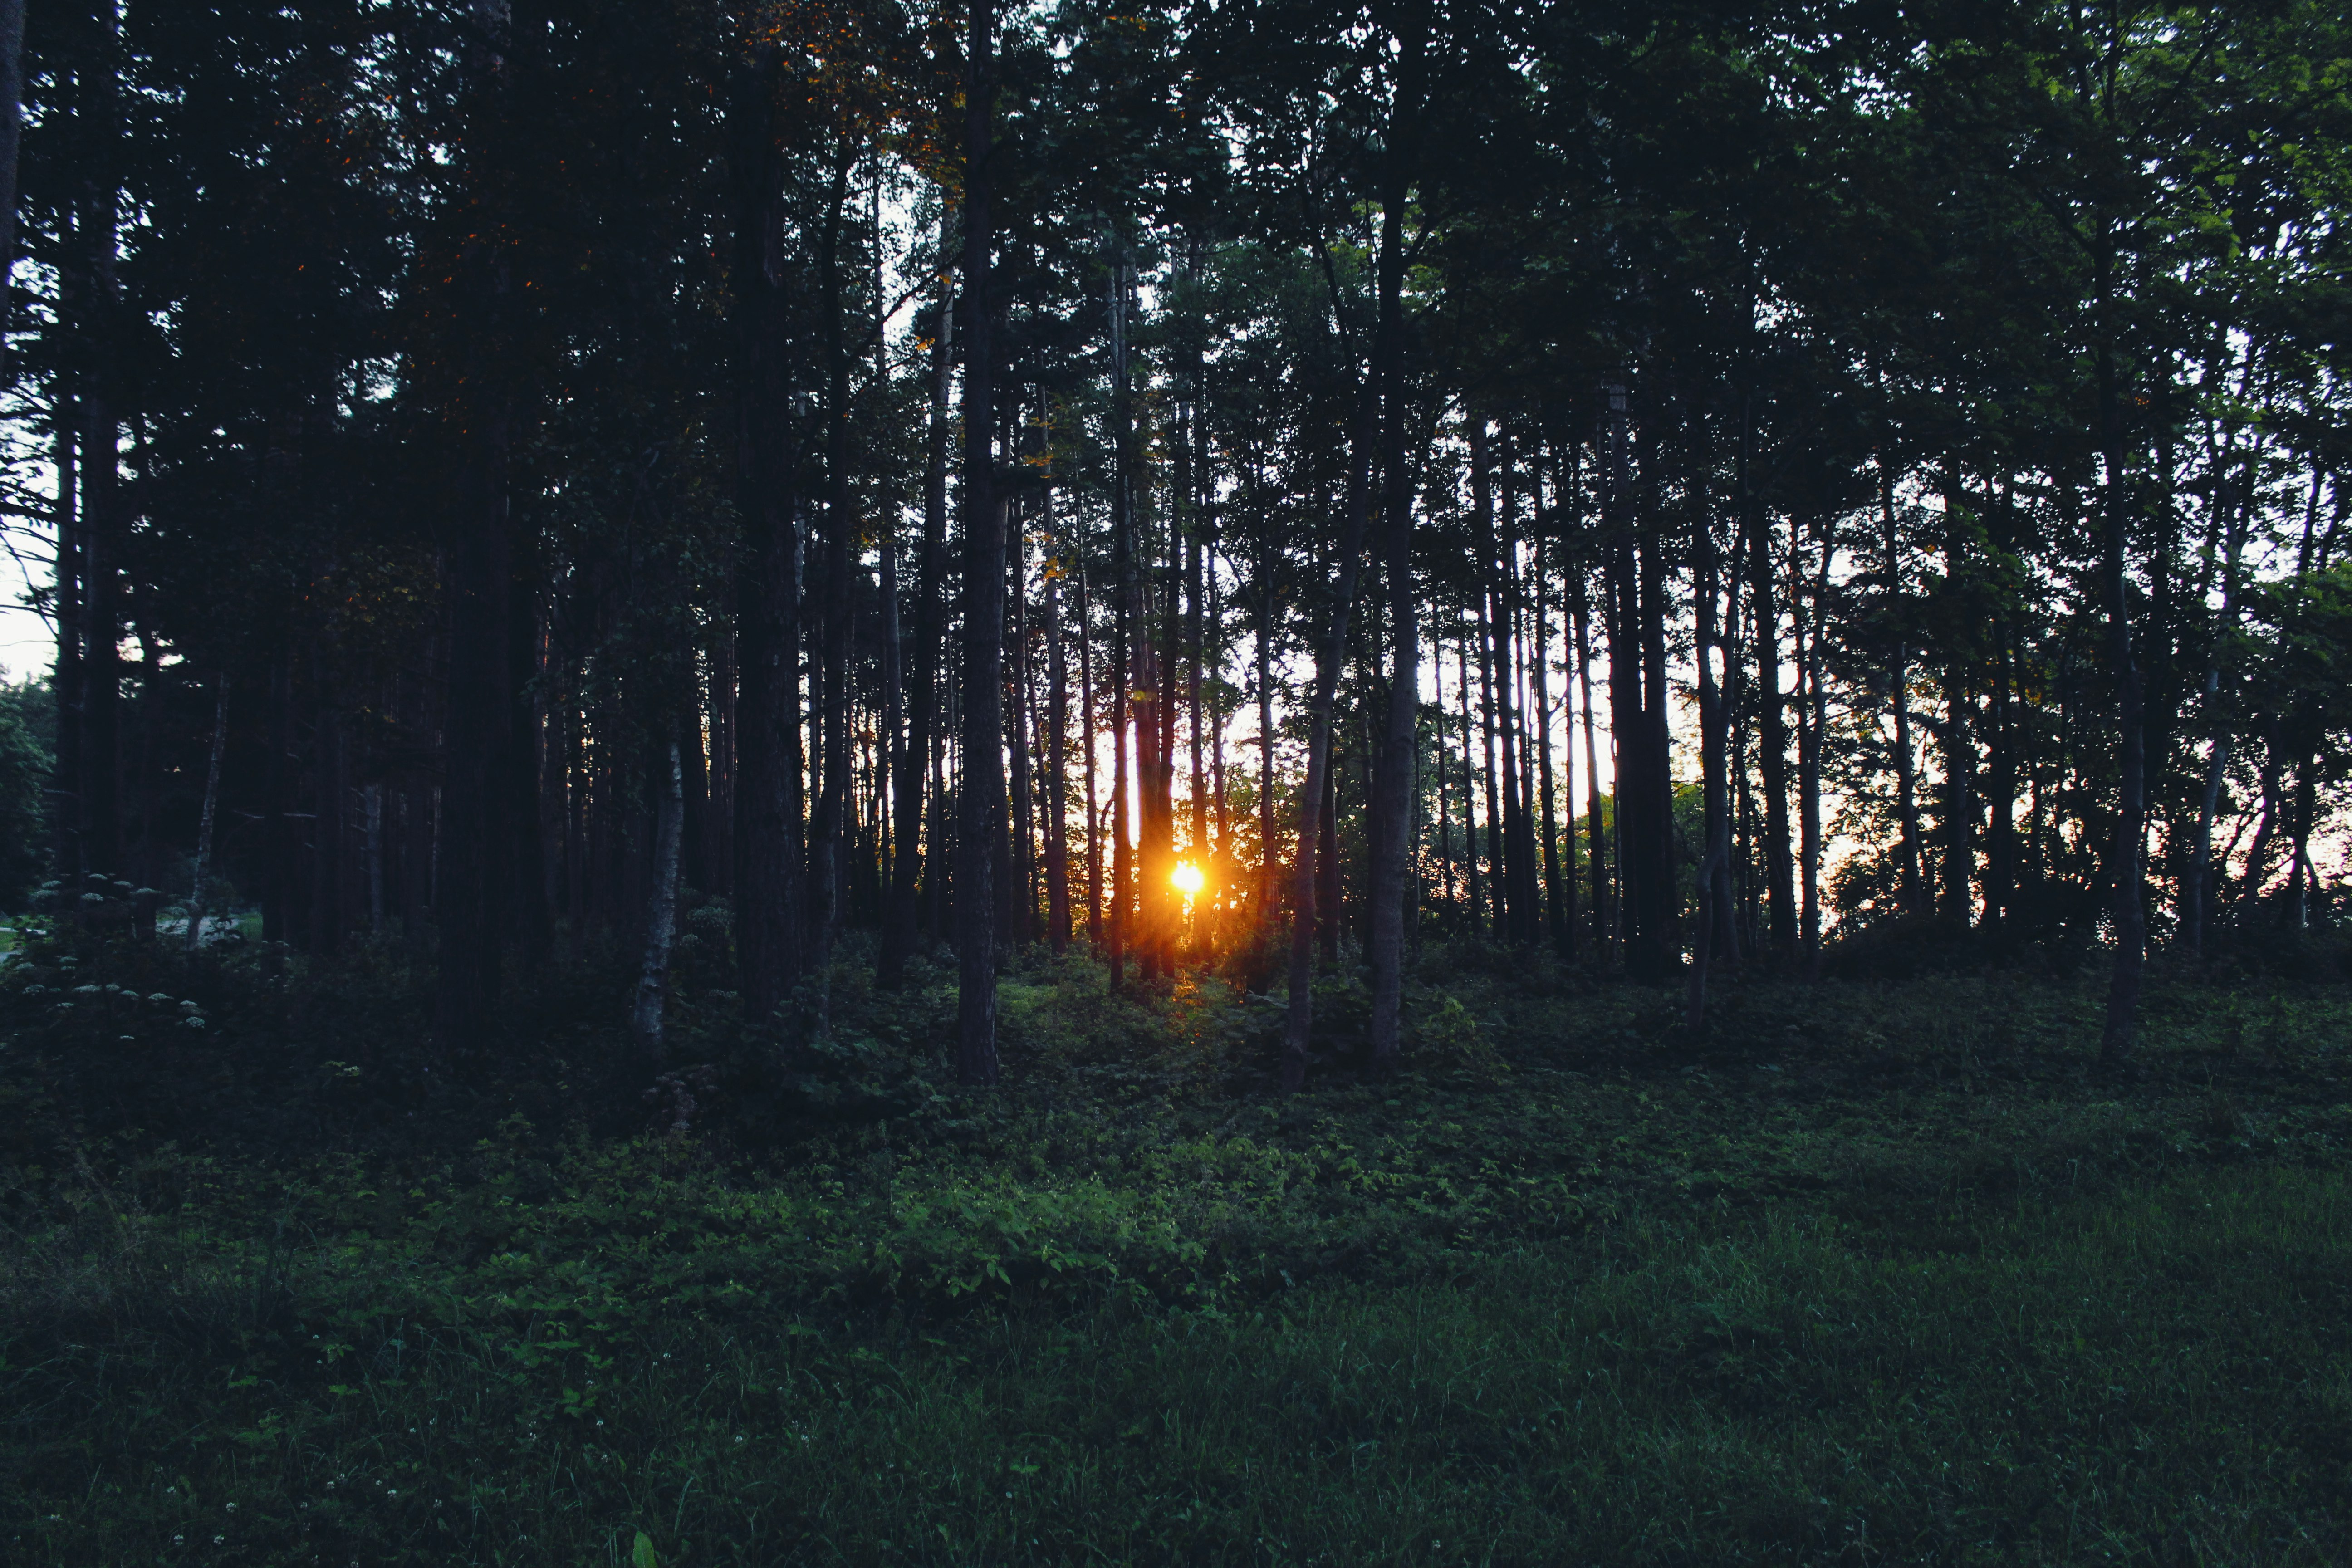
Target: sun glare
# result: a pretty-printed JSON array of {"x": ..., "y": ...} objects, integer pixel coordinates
[{"x": 1189, "y": 880}]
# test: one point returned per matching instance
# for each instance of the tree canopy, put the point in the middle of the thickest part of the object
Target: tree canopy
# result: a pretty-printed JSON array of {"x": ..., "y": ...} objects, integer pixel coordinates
[{"x": 1236, "y": 482}]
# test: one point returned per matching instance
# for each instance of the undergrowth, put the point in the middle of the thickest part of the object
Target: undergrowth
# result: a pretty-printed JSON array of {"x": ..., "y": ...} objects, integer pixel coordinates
[{"x": 1864, "y": 1271}]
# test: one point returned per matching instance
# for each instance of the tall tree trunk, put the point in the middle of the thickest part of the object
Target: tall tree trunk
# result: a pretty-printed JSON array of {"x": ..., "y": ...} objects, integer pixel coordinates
[
  {"x": 1957, "y": 895},
  {"x": 1393, "y": 802},
  {"x": 522, "y": 854},
  {"x": 327, "y": 821},
  {"x": 476, "y": 740},
  {"x": 1596, "y": 832},
  {"x": 2125, "y": 871},
  {"x": 475, "y": 732},
  {"x": 1498, "y": 881},
  {"x": 1024, "y": 881},
  {"x": 2197, "y": 890},
  {"x": 12, "y": 95},
  {"x": 1299, "y": 1019},
  {"x": 1658, "y": 889},
  {"x": 1518, "y": 765},
  {"x": 1444, "y": 782},
  {"x": 719, "y": 865},
  {"x": 1898, "y": 681},
  {"x": 661, "y": 913},
  {"x": 1057, "y": 726},
  {"x": 1811, "y": 614},
  {"x": 66, "y": 675},
  {"x": 923, "y": 677},
  {"x": 1631, "y": 700},
  {"x": 1198, "y": 845},
  {"x": 1268, "y": 862},
  {"x": 1771, "y": 713},
  {"x": 1124, "y": 673},
  {"x": 1090, "y": 733},
  {"x": 10, "y": 137},
  {"x": 205, "y": 822},
  {"x": 1713, "y": 883},
  {"x": 1560, "y": 892},
  {"x": 981, "y": 796},
  {"x": 829, "y": 832},
  {"x": 767, "y": 868},
  {"x": 102, "y": 525}
]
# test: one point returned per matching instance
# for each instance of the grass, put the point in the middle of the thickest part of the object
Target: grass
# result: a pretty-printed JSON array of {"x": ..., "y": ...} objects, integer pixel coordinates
[{"x": 1867, "y": 1273}]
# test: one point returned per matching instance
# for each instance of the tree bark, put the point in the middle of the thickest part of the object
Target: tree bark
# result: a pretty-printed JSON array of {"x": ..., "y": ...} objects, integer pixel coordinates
[
  {"x": 829, "y": 832},
  {"x": 1057, "y": 724},
  {"x": 1393, "y": 802},
  {"x": 907, "y": 865},
  {"x": 12, "y": 96},
  {"x": 1299, "y": 1019},
  {"x": 1596, "y": 831},
  {"x": 1811, "y": 719},
  {"x": 1124, "y": 632},
  {"x": 1771, "y": 712},
  {"x": 66, "y": 675},
  {"x": 980, "y": 797},
  {"x": 205, "y": 822},
  {"x": 2125, "y": 870},
  {"x": 1914, "y": 885},
  {"x": 767, "y": 868},
  {"x": 2197, "y": 892},
  {"x": 661, "y": 914}
]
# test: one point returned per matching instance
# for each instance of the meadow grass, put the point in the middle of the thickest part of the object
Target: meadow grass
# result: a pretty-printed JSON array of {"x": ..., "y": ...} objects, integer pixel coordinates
[{"x": 1866, "y": 1274}]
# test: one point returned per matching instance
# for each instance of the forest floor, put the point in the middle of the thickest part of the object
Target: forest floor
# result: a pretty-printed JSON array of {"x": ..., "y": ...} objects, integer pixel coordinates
[{"x": 1866, "y": 1271}]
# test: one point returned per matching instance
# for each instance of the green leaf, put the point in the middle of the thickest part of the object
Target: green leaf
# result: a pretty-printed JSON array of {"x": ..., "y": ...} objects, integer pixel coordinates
[{"x": 642, "y": 1556}]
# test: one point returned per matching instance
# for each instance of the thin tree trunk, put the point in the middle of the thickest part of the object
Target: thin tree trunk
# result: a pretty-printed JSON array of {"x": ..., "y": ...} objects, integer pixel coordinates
[
  {"x": 1596, "y": 831},
  {"x": 1713, "y": 764},
  {"x": 1057, "y": 790},
  {"x": 101, "y": 781},
  {"x": 1090, "y": 734},
  {"x": 1498, "y": 883},
  {"x": 1477, "y": 906},
  {"x": 1560, "y": 892},
  {"x": 64, "y": 678},
  {"x": 1907, "y": 791},
  {"x": 1298, "y": 1021},
  {"x": 12, "y": 94},
  {"x": 898, "y": 935},
  {"x": 1810, "y": 723},
  {"x": 2125, "y": 858},
  {"x": 1124, "y": 674},
  {"x": 1267, "y": 863},
  {"x": 205, "y": 822},
  {"x": 767, "y": 868},
  {"x": 980, "y": 797},
  {"x": 372, "y": 820},
  {"x": 1392, "y": 804},
  {"x": 1771, "y": 707},
  {"x": 661, "y": 914},
  {"x": 2197, "y": 892},
  {"x": 1023, "y": 857},
  {"x": 829, "y": 832}
]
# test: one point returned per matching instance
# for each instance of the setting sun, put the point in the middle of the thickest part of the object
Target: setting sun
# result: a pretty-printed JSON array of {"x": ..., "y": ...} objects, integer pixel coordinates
[{"x": 1189, "y": 878}]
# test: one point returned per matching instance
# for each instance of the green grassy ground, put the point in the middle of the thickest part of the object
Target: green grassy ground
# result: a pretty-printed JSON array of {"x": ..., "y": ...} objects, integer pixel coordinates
[{"x": 1866, "y": 1273}]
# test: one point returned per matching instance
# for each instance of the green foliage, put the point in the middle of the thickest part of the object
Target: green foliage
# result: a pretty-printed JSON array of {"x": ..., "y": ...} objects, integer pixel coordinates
[
  {"x": 1861, "y": 1261},
  {"x": 28, "y": 741}
]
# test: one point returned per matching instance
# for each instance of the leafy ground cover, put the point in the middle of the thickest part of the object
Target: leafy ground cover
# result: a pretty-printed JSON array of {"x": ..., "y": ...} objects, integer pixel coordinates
[{"x": 1866, "y": 1271}]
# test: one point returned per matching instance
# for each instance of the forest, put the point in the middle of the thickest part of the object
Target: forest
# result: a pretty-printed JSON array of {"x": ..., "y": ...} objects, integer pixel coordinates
[{"x": 1219, "y": 780}]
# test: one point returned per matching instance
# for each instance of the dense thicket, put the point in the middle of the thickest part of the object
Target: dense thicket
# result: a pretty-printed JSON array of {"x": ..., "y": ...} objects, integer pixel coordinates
[{"x": 1670, "y": 486}]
